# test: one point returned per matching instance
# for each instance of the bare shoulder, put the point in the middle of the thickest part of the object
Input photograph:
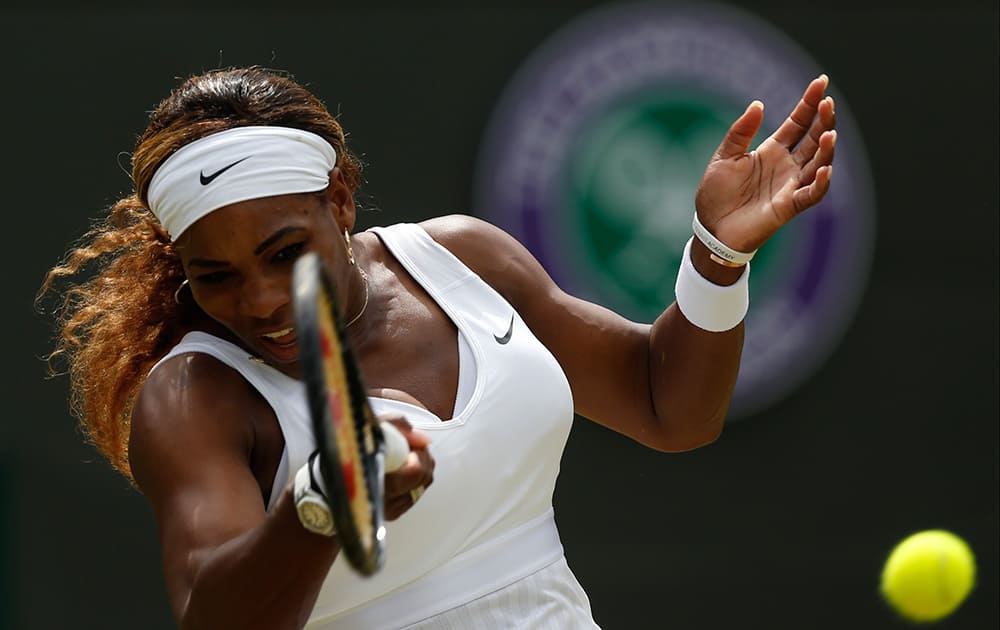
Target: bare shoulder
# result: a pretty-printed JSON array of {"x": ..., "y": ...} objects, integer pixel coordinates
[
  {"x": 468, "y": 237},
  {"x": 191, "y": 406},
  {"x": 187, "y": 386},
  {"x": 492, "y": 253}
]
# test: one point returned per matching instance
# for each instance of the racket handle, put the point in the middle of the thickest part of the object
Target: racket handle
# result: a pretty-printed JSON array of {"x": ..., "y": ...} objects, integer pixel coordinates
[{"x": 396, "y": 447}]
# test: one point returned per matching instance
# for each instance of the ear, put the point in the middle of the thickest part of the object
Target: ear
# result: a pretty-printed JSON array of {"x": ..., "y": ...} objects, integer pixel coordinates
[{"x": 341, "y": 200}]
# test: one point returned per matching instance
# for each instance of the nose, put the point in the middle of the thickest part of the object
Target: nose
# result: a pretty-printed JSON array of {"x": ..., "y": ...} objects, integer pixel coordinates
[{"x": 261, "y": 297}]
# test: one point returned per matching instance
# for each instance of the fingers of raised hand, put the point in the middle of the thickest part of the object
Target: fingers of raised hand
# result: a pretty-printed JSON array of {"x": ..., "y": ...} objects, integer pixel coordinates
[
  {"x": 810, "y": 195},
  {"x": 800, "y": 120},
  {"x": 822, "y": 157},
  {"x": 824, "y": 121},
  {"x": 416, "y": 472}
]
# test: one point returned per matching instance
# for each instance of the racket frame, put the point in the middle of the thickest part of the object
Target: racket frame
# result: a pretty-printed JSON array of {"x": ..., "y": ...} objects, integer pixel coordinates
[{"x": 364, "y": 550}]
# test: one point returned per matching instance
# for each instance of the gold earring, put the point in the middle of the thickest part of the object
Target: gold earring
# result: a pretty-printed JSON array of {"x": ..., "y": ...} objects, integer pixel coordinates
[
  {"x": 177, "y": 293},
  {"x": 350, "y": 250}
]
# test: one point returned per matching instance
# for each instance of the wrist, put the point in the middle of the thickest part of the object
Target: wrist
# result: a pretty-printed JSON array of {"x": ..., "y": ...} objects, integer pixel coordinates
[
  {"x": 709, "y": 305},
  {"x": 709, "y": 269},
  {"x": 311, "y": 501},
  {"x": 720, "y": 252}
]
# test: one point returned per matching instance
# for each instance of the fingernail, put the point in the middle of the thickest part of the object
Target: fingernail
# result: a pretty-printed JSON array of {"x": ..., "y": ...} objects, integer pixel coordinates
[{"x": 826, "y": 79}]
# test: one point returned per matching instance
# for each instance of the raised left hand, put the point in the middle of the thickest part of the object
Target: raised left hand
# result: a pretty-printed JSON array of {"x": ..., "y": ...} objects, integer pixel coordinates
[{"x": 746, "y": 196}]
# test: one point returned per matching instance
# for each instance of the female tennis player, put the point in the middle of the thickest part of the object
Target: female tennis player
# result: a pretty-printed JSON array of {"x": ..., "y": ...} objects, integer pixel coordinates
[{"x": 184, "y": 365}]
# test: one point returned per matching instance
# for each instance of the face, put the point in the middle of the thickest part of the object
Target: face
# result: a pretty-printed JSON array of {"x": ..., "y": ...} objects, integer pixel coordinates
[{"x": 239, "y": 262}]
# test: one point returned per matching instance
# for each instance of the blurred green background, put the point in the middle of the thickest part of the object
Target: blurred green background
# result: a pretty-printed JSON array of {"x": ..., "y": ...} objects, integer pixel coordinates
[{"x": 783, "y": 523}]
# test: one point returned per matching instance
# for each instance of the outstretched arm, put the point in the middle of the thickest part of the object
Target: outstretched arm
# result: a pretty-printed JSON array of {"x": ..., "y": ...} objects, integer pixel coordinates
[
  {"x": 743, "y": 199},
  {"x": 667, "y": 385}
]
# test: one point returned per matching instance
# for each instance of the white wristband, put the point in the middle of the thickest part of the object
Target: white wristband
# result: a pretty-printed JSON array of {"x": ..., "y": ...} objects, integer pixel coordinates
[
  {"x": 707, "y": 305},
  {"x": 717, "y": 247},
  {"x": 310, "y": 493}
]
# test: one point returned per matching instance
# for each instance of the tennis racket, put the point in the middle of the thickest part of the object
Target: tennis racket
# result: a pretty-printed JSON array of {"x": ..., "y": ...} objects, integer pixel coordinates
[{"x": 352, "y": 447}]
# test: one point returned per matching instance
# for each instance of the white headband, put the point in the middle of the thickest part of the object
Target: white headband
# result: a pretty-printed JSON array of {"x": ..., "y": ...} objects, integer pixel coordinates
[{"x": 237, "y": 165}]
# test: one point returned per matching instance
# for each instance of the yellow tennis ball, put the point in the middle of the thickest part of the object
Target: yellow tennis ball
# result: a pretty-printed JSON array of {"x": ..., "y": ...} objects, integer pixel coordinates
[{"x": 928, "y": 575}]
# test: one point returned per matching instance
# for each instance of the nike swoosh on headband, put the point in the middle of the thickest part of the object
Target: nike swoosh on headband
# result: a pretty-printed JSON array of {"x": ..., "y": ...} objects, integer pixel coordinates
[
  {"x": 510, "y": 329},
  {"x": 208, "y": 179}
]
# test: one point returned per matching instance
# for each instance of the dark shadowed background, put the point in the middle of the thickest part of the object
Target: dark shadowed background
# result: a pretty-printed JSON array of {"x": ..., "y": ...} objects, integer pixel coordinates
[{"x": 783, "y": 523}]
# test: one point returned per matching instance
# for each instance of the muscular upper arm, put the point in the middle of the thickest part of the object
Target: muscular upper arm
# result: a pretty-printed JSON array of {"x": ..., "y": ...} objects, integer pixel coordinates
[
  {"x": 189, "y": 449},
  {"x": 604, "y": 355}
]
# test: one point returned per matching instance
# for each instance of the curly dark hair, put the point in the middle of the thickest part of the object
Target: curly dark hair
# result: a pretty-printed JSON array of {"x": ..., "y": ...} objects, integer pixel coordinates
[{"x": 115, "y": 325}]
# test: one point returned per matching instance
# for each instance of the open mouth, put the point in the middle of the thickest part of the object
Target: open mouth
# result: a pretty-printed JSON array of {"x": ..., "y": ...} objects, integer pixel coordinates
[{"x": 283, "y": 338}]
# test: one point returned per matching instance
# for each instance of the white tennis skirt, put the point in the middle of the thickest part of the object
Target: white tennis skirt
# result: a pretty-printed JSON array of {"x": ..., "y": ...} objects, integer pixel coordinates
[{"x": 549, "y": 599}]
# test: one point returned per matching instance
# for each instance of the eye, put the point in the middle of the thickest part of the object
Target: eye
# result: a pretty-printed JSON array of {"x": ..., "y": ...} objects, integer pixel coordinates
[
  {"x": 214, "y": 277},
  {"x": 289, "y": 253}
]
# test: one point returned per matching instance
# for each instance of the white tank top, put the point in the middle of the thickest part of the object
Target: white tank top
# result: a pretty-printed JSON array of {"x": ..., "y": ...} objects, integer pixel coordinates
[{"x": 487, "y": 521}]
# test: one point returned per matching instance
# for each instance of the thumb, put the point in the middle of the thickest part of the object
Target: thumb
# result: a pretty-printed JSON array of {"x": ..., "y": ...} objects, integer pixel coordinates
[{"x": 741, "y": 133}]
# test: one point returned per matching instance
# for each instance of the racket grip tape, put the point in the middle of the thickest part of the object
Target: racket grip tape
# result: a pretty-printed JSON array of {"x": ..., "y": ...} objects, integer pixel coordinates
[{"x": 396, "y": 447}]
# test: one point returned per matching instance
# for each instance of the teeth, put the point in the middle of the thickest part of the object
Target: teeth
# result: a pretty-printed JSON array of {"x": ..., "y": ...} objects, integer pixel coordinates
[{"x": 278, "y": 333}]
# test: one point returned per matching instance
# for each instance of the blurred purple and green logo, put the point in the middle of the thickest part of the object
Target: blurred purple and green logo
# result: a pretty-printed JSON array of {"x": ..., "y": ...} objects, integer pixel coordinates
[{"x": 595, "y": 150}]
